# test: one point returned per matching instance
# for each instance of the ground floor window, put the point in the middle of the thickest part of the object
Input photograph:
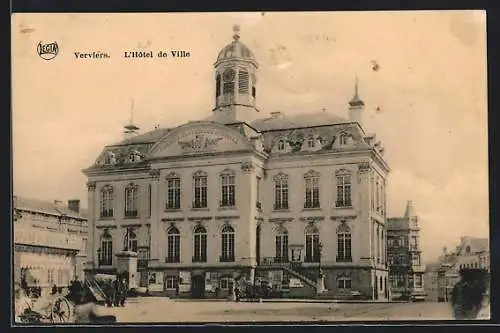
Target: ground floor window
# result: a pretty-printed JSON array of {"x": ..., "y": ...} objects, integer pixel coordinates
[
  {"x": 344, "y": 283},
  {"x": 418, "y": 280},
  {"x": 226, "y": 283},
  {"x": 172, "y": 282}
]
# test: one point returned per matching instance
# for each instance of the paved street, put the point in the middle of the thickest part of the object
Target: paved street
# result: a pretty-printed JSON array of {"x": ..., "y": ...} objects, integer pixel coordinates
[{"x": 165, "y": 310}]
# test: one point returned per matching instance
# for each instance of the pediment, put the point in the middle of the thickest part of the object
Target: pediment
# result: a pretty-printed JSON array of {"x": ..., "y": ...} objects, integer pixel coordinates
[{"x": 199, "y": 138}]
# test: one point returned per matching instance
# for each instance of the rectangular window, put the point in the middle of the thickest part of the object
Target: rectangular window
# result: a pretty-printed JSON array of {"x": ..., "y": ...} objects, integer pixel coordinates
[
  {"x": 226, "y": 283},
  {"x": 312, "y": 192},
  {"x": 281, "y": 194},
  {"x": 172, "y": 282},
  {"x": 344, "y": 191},
  {"x": 173, "y": 193},
  {"x": 200, "y": 192},
  {"x": 107, "y": 202},
  {"x": 414, "y": 243},
  {"x": 131, "y": 200},
  {"x": 416, "y": 259},
  {"x": 344, "y": 247},
  {"x": 418, "y": 280},
  {"x": 228, "y": 191},
  {"x": 344, "y": 283},
  {"x": 106, "y": 254}
]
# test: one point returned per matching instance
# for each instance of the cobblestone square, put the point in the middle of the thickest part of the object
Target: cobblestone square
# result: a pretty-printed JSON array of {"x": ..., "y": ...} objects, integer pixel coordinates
[{"x": 161, "y": 310}]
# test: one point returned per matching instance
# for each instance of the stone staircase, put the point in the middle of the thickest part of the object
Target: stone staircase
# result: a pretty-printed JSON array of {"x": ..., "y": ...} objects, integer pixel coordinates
[{"x": 290, "y": 268}]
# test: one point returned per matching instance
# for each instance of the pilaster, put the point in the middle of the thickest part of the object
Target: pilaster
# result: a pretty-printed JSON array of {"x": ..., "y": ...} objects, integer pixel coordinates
[
  {"x": 155, "y": 220},
  {"x": 91, "y": 248}
]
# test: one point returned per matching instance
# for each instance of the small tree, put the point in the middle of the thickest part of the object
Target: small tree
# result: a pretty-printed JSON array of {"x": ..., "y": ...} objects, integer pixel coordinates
[{"x": 468, "y": 294}]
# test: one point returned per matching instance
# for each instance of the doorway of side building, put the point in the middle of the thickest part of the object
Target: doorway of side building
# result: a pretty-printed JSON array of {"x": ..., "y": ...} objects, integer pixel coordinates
[
  {"x": 376, "y": 287},
  {"x": 198, "y": 286}
]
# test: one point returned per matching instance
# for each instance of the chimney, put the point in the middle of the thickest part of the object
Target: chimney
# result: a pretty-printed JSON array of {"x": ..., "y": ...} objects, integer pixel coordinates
[
  {"x": 58, "y": 203},
  {"x": 276, "y": 115},
  {"x": 74, "y": 205}
]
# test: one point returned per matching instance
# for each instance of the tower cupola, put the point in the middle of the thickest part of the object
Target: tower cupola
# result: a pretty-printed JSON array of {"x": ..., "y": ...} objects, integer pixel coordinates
[{"x": 236, "y": 81}]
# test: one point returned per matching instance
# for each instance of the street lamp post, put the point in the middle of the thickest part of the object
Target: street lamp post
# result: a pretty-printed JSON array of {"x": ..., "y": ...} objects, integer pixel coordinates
[{"x": 320, "y": 282}]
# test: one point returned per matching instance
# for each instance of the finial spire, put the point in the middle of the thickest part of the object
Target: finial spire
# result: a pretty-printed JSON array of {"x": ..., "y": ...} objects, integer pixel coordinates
[
  {"x": 130, "y": 126},
  {"x": 132, "y": 112},
  {"x": 236, "y": 30},
  {"x": 356, "y": 80},
  {"x": 356, "y": 101}
]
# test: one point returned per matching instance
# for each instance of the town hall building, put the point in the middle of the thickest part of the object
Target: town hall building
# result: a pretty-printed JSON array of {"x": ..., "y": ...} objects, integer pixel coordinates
[{"x": 298, "y": 201}]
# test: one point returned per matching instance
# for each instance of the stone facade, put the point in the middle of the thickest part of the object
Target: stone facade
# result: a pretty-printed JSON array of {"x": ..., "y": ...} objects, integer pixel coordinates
[
  {"x": 49, "y": 243},
  {"x": 228, "y": 197},
  {"x": 405, "y": 267}
]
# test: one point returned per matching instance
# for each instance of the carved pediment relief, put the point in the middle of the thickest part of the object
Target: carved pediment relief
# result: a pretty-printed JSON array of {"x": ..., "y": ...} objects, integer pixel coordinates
[{"x": 198, "y": 139}]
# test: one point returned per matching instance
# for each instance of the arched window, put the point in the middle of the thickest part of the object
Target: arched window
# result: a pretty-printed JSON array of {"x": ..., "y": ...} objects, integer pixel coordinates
[
  {"x": 227, "y": 246},
  {"x": 217, "y": 85},
  {"x": 281, "y": 245},
  {"x": 243, "y": 82},
  {"x": 105, "y": 253},
  {"x": 200, "y": 190},
  {"x": 106, "y": 201},
  {"x": 131, "y": 200},
  {"x": 228, "y": 189},
  {"x": 344, "y": 244},
  {"x": 467, "y": 249},
  {"x": 173, "y": 245},
  {"x": 312, "y": 190},
  {"x": 280, "y": 192},
  {"x": 343, "y": 139},
  {"x": 173, "y": 191},
  {"x": 343, "y": 178},
  {"x": 312, "y": 244},
  {"x": 200, "y": 244},
  {"x": 130, "y": 241}
]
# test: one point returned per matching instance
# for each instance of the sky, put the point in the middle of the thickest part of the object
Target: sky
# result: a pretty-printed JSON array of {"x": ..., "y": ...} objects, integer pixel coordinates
[{"x": 427, "y": 102}]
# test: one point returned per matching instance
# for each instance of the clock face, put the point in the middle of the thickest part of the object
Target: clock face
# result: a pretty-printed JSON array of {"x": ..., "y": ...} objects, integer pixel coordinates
[{"x": 229, "y": 75}]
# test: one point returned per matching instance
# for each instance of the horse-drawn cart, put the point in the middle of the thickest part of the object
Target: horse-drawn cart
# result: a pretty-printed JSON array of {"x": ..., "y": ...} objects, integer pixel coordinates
[{"x": 61, "y": 308}]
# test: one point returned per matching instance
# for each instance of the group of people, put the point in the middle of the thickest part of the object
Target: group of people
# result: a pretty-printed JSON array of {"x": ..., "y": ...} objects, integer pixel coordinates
[{"x": 116, "y": 292}]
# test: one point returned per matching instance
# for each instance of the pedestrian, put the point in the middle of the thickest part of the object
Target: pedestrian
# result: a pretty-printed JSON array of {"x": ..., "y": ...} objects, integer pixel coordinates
[{"x": 116, "y": 292}]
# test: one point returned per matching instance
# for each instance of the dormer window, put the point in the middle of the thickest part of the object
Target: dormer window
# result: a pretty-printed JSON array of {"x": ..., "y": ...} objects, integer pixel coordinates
[
  {"x": 109, "y": 158},
  {"x": 311, "y": 142},
  {"x": 135, "y": 156},
  {"x": 281, "y": 145},
  {"x": 343, "y": 139}
]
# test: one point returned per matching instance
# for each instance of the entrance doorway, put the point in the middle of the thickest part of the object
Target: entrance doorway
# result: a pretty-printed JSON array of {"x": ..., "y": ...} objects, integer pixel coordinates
[
  {"x": 376, "y": 288},
  {"x": 198, "y": 286}
]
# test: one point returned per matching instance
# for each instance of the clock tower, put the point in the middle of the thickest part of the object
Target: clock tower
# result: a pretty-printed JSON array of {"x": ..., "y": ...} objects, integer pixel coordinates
[{"x": 235, "y": 82}]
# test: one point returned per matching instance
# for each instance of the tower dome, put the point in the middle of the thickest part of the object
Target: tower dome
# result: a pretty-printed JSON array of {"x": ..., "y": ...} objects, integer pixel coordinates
[{"x": 236, "y": 50}]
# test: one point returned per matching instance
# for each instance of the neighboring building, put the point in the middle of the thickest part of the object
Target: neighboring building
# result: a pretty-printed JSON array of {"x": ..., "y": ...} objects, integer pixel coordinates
[
  {"x": 404, "y": 253},
  {"x": 471, "y": 253},
  {"x": 233, "y": 196},
  {"x": 49, "y": 242}
]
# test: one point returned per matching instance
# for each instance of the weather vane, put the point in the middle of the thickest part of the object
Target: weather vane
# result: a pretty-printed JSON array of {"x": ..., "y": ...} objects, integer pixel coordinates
[{"x": 236, "y": 29}]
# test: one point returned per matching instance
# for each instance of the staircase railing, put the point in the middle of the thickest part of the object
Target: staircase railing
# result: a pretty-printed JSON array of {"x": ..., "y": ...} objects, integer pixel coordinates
[{"x": 290, "y": 267}]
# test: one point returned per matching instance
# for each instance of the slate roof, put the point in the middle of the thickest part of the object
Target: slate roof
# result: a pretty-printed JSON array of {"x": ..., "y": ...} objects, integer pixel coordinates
[
  {"x": 303, "y": 120},
  {"x": 48, "y": 207}
]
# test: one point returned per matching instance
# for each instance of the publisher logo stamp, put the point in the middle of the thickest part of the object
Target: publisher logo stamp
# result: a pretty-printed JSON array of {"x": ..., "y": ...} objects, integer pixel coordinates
[{"x": 47, "y": 51}]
